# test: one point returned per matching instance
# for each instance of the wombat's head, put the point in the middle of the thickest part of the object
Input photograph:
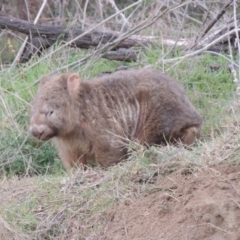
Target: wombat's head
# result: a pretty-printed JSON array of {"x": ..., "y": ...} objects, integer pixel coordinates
[{"x": 53, "y": 112}]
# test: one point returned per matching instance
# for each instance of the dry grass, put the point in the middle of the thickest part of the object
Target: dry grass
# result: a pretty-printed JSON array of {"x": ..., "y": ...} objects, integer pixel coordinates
[{"x": 9, "y": 232}]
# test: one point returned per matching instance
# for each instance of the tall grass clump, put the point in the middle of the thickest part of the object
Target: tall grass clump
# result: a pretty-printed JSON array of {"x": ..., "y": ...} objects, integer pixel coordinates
[{"x": 19, "y": 153}]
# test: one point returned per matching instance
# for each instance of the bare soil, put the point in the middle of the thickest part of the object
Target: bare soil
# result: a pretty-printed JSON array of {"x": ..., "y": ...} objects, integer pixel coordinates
[{"x": 204, "y": 205}]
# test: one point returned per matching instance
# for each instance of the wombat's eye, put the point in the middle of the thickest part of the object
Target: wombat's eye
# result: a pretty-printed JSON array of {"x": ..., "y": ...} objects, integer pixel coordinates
[{"x": 50, "y": 113}]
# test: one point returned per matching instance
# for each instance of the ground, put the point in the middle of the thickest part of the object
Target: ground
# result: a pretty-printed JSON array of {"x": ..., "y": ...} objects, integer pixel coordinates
[{"x": 204, "y": 205}]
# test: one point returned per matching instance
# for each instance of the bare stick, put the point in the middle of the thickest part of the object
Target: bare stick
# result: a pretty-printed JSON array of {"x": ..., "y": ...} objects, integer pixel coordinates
[
  {"x": 213, "y": 22},
  {"x": 206, "y": 47},
  {"x": 200, "y": 31},
  {"x": 27, "y": 8},
  {"x": 233, "y": 71},
  {"x": 124, "y": 20},
  {"x": 84, "y": 13},
  {"x": 237, "y": 42},
  {"x": 26, "y": 39}
]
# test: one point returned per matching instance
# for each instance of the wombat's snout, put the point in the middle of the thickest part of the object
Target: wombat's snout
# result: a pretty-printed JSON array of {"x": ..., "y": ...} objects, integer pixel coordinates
[
  {"x": 36, "y": 132},
  {"x": 42, "y": 131}
]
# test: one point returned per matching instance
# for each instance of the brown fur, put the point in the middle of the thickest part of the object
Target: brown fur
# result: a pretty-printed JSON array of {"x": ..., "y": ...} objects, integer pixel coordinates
[{"x": 93, "y": 119}]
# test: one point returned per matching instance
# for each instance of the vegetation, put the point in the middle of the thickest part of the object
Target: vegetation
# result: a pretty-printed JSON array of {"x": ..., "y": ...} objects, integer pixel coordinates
[{"x": 50, "y": 204}]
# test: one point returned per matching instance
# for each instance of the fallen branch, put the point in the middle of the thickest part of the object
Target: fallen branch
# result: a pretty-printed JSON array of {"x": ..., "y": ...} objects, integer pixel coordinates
[
  {"x": 113, "y": 45},
  {"x": 122, "y": 54},
  {"x": 43, "y": 36}
]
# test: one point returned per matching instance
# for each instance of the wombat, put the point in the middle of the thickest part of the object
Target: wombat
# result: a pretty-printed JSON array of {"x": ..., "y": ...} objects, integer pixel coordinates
[{"x": 94, "y": 119}]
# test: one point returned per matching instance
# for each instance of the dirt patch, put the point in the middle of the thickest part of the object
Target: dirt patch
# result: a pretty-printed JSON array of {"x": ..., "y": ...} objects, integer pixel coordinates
[{"x": 198, "y": 206}]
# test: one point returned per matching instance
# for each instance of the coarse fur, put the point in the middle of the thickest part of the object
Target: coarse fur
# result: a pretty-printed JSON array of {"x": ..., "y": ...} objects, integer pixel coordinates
[{"x": 93, "y": 119}]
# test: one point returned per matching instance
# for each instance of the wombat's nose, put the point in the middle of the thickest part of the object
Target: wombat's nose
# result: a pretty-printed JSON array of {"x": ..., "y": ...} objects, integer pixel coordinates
[{"x": 36, "y": 132}]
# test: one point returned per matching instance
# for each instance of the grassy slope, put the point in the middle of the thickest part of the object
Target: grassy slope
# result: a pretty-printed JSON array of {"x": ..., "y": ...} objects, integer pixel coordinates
[{"x": 52, "y": 205}]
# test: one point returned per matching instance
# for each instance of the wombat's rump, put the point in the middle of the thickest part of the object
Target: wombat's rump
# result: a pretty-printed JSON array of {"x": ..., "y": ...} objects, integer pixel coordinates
[{"x": 93, "y": 119}]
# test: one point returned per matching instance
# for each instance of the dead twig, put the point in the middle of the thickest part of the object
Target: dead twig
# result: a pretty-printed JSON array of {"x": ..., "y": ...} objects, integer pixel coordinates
[
  {"x": 26, "y": 39},
  {"x": 213, "y": 22}
]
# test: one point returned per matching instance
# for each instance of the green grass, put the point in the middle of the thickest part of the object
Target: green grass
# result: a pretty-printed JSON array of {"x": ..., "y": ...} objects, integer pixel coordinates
[{"x": 21, "y": 215}]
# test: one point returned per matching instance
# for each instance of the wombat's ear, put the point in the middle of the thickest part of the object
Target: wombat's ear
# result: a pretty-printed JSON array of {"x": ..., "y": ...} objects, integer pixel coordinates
[
  {"x": 44, "y": 79},
  {"x": 73, "y": 84}
]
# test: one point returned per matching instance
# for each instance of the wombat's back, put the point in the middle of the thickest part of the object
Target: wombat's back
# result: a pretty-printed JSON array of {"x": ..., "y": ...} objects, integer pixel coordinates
[{"x": 145, "y": 105}]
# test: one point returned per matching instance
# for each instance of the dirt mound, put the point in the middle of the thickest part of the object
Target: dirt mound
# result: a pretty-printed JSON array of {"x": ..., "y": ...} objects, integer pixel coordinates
[{"x": 198, "y": 206}]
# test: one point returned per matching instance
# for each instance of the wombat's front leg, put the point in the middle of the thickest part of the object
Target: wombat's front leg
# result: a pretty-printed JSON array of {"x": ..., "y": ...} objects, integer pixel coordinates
[
  {"x": 72, "y": 159},
  {"x": 106, "y": 157}
]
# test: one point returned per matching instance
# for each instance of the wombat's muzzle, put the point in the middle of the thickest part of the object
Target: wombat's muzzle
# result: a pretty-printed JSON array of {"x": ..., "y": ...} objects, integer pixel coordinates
[
  {"x": 36, "y": 132},
  {"x": 42, "y": 132}
]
